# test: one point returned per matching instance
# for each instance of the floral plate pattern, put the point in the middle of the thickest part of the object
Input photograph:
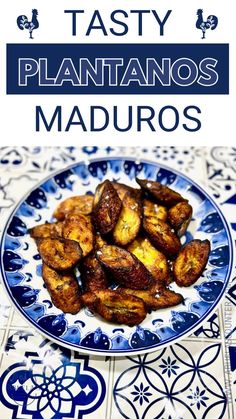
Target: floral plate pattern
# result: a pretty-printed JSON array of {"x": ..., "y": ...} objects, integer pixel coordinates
[{"x": 21, "y": 264}]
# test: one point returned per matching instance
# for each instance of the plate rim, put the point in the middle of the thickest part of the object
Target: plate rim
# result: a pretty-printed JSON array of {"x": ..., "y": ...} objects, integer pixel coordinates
[{"x": 103, "y": 352}]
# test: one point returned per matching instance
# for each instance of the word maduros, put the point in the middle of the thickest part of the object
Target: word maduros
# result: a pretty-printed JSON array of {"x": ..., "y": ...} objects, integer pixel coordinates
[
  {"x": 123, "y": 119},
  {"x": 118, "y": 19},
  {"x": 114, "y": 72}
]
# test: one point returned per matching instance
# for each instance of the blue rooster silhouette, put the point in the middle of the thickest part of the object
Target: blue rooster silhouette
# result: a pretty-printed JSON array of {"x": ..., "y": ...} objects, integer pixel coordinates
[
  {"x": 211, "y": 22},
  {"x": 24, "y": 23}
]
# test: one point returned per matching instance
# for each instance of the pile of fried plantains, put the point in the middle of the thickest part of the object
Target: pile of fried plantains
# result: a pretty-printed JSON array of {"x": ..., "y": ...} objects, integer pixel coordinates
[{"x": 123, "y": 236}]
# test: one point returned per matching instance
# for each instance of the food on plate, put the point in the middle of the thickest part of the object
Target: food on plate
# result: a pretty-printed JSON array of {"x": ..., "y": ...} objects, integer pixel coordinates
[
  {"x": 125, "y": 268},
  {"x": 82, "y": 204},
  {"x": 106, "y": 207},
  {"x": 179, "y": 217},
  {"x": 162, "y": 236},
  {"x": 152, "y": 209},
  {"x": 125, "y": 242},
  {"x": 116, "y": 307},
  {"x": 154, "y": 260},
  {"x": 53, "y": 230},
  {"x": 99, "y": 241},
  {"x": 93, "y": 274},
  {"x": 153, "y": 299},
  {"x": 63, "y": 288},
  {"x": 129, "y": 221},
  {"x": 59, "y": 254},
  {"x": 191, "y": 262},
  {"x": 162, "y": 193},
  {"x": 79, "y": 227},
  {"x": 121, "y": 189}
]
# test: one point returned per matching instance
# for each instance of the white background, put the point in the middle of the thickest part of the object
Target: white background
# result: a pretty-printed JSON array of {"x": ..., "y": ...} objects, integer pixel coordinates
[{"x": 18, "y": 111}]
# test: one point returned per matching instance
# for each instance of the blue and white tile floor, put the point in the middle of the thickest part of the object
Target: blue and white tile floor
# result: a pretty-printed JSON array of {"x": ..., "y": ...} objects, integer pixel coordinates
[{"x": 195, "y": 378}]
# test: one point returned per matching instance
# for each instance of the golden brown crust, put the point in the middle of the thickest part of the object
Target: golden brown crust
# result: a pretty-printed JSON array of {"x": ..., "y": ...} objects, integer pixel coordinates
[
  {"x": 180, "y": 216},
  {"x": 99, "y": 241},
  {"x": 161, "y": 235},
  {"x": 115, "y": 307},
  {"x": 191, "y": 262},
  {"x": 93, "y": 274},
  {"x": 79, "y": 227},
  {"x": 162, "y": 194},
  {"x": 152, "y": 209},
  {"x": 53, "y": 230},
  {"x": 129, "y": 221},
  {"x": 63, "y": 289},
  {"x": 163, "y": 298},
  {"x": 121, "y": 189},
  {"x": 82, "y": 204},
  {"x": 106, "y": 208},
  {"x": 125, "y": 268},
  {"x": 154, "y": 260},
  {"x": 59, "y": 254}
]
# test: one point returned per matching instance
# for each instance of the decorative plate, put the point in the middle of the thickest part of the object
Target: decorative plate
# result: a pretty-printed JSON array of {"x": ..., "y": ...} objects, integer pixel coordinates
[{"x": 21, "y": 264}]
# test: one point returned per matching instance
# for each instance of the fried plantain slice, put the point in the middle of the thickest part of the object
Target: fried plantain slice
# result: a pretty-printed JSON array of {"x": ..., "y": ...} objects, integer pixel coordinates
[
  {"x": 152, "y": 209},
  {"x": 59, "y": 254},
  {"x": 161, "y": 236},
  {"x": 162, "y": 194},
  {"x": 191, "y": 262},
  {"x": 155, "y": 261},
  {"x": 179, "y": 216},
  {"x": 129, "y": 222},
  {"x": 53, "y": 230},
  {"x": 63, "y": 288},
  {"x": 79, "y": 227},
  {"x": 115, "y": 307},
  {"x": 163, "y": 298},
  {"x": 106, "y": 208},
  {"x": 99, "y": 241},
  {"x": 121, "y": 189},
  {"x": 82, "y": 204},
  {"x": 93, "y": 274},
  {"x": 125, "y": 268}
]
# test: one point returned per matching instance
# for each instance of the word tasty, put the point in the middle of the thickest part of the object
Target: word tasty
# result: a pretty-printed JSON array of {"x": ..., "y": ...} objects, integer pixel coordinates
[{"x": 116, "y": 23}]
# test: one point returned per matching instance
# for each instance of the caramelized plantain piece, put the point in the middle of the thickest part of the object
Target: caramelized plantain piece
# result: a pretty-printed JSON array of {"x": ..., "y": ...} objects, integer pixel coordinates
[
  {"x": 59, "y": 254},
  {"x": 63, "y": 288},
  {"x": 115, "y": 307},
  {"x": 162, "y": 194},
  {"x": 79, "y": 227},
  {"x": 163, "y": 298},
  {"x": 125, "y": 268},
  {"x": 161, "y": 236},
  {"x": 82, "y": 204},
  {"x": 93, "y": 274},
  {"x": 152, "y": 209},
  {"x": 180, "y": 216},
  {"x": 153, "y": 259},
  {"x": 99, "y": 241},
  {"x": 191, "y": 262},
  {"x": 129, "y": 222},
  {"x": 121, "y": 189},
  {"x": 106, "y": 207},
  {"x": 53, "y": 230}
]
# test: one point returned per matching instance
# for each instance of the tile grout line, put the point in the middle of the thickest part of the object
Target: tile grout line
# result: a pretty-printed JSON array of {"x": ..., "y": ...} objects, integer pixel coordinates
[
  {"x": 110, "y": 388},
  {"x": 7, "y": 329},
  {"x": 227, "y": 377}
]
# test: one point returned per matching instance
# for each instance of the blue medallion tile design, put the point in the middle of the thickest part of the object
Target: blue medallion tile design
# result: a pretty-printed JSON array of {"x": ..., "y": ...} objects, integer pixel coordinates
[
  {"x": 50, "y": 383},
  {"x": 178, "y": 381}
]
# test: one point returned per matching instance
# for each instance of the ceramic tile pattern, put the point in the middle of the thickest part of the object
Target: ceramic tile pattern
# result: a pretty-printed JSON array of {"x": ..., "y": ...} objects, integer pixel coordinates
[{"x": 195, "y": 378}]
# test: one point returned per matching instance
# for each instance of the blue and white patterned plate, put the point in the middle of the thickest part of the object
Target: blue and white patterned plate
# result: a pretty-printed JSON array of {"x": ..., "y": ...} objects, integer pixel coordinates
[{"x": 21, "y": 264}]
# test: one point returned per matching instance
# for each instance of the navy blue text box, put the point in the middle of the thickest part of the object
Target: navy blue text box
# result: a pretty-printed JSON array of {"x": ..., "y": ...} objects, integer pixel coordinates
[{"x": 55, "y": 53}]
